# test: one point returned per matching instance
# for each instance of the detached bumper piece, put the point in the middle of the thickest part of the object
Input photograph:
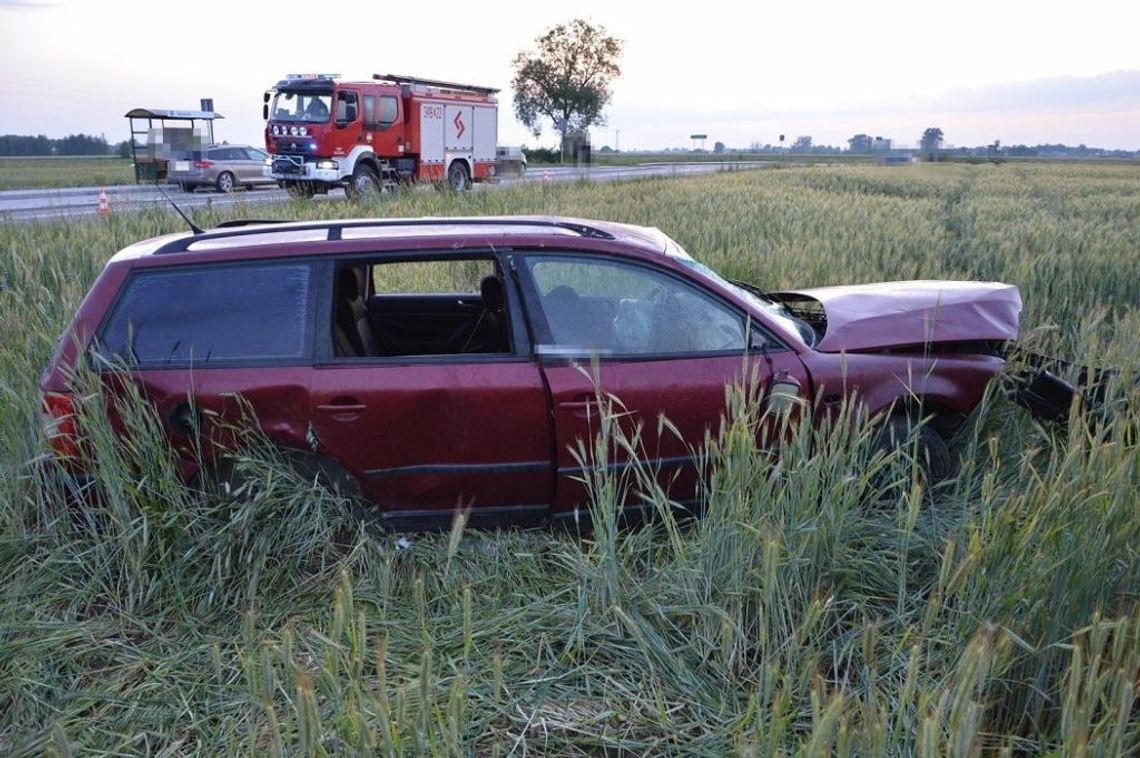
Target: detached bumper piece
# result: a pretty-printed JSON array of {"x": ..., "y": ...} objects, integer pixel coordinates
[
  {"x": 1038, "y": 386},
  {"x": 1046, "y": 395}
]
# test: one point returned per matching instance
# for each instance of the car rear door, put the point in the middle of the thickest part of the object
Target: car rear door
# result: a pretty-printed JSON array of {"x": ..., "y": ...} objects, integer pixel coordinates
[
  {"x": 661, "y": 346},
  {"x": 428, "y": 431}
]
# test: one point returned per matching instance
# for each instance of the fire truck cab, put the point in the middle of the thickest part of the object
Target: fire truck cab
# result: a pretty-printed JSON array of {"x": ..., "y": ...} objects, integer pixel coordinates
[{"x": 370, "y": 136}]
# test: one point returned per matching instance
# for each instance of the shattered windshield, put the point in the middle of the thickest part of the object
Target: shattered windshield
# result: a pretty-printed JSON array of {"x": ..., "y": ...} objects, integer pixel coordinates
[{"x": 301, "y": 107}]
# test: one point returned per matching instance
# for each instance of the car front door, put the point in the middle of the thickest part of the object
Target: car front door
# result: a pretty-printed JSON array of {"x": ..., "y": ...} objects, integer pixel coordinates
[
  {"x": 249, "y": 163},
  {"x": 659, "y": 345},
  {"x": 437, "y": 419}
]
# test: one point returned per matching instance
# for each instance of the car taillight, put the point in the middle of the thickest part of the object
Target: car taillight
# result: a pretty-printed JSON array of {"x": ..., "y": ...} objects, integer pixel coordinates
[
  {"x": 203, "y": 164},
  {"x": 59, "y": 424}
]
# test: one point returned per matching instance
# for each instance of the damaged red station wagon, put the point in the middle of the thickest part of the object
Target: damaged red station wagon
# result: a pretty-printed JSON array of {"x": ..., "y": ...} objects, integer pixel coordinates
[{"x": 433, "y": 364}]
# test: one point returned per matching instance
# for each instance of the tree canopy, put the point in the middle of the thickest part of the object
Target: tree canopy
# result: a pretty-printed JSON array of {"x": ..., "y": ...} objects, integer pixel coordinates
[
  {"x": 566, "y": 77},
  {"x": 931, "y": 139}
]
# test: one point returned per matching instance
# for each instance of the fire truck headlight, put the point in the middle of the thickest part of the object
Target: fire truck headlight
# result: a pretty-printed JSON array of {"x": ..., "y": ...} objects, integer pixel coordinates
[
  {"x": 304, "y": 131},
  {"x": 293, "y": 130},
  {"x": 330, "y": 165}
]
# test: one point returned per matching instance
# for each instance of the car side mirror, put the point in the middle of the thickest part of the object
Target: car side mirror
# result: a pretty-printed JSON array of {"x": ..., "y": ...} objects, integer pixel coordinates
[{"x": 265, "y": 112}]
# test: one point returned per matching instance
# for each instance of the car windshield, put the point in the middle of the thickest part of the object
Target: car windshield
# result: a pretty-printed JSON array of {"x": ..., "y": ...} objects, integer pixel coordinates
[
  {"x": 773, "y": 309},
  {"x": 304, "y": 107}
]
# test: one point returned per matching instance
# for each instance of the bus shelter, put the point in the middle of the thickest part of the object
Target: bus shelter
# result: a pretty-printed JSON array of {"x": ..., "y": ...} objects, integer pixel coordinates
[{"x": 159, "y": 136}]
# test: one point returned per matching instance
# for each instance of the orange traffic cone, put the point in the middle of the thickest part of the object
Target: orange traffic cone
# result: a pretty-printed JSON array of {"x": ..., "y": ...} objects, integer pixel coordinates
[{"x": 104, "y": 206}]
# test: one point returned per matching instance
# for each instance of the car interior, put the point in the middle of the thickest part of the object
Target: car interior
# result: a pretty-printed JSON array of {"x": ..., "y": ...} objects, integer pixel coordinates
[{"x": 368, "y": 323}]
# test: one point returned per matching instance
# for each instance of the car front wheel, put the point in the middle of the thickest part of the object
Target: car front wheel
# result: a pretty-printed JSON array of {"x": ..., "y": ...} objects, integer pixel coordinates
[
  {"x": 932, "y": 455},
  {"x": 364, "y": 184}
]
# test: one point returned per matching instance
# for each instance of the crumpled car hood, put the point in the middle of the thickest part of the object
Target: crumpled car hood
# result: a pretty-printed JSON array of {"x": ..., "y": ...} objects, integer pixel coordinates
[{"x": 898, "y": 314}]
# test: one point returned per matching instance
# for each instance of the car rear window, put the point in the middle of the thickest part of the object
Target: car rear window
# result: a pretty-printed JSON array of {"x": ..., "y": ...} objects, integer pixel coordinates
[{"x": 205, "y": 315}]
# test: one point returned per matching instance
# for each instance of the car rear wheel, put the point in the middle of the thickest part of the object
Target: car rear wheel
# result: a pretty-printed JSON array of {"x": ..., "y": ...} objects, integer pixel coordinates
[
  {"x": 225, "y": 182},
  {"x": 364, "y": 183},
  {"x": 457, "y": 177}
]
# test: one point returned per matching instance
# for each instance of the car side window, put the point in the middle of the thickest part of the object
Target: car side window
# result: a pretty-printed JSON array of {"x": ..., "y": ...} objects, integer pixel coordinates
[
  {"x": 207, "y": 315},
  {"x": 345, "y": 99},
  {"x": 626, "y": 309},
  {"x": 425, "y": 307},
  {"x": 389, "y": 109},
  {"x": 369, "y": 111}
]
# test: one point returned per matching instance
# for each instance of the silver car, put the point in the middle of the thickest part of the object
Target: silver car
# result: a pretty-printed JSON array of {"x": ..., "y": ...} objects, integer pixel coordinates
[{"x": 224, "y": 167}]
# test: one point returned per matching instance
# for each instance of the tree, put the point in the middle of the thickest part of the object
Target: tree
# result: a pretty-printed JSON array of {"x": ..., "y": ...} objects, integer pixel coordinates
[
  {"x": 861, "y": 143},
  {"x": 802, "y": 144},
  {"x": 718, "y": 147},
  {"x": 931, "y": 142},
  {"x": 566, "y": 78}
]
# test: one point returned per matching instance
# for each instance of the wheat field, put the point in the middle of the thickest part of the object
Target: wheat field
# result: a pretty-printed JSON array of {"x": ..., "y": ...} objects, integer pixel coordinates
[{"x": 998, "y": 613}]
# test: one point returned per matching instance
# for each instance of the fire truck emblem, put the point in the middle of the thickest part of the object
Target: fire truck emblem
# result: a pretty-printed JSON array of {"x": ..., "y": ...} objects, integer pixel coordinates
[{"x": 459, "y": 125}]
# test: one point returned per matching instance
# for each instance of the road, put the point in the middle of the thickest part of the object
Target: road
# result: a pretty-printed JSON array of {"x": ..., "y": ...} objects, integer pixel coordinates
[{"x": 53, "y": 204}]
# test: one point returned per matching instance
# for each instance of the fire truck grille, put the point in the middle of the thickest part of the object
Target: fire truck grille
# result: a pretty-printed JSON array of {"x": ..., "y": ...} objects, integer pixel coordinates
[{"x": 294, "y": 147}]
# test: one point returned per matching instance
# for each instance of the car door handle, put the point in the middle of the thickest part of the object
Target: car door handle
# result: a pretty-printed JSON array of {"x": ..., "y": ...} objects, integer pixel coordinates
[
  {"x": 343, "y": 409},
  {"x": 581, "y": 405}
]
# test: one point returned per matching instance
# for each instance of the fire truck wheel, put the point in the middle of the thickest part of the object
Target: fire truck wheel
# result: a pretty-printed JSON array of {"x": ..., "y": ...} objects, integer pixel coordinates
[
  {"x": 364, "y": 183},
  {"x": 225, "y": 182},
  {"x": 300, "y": 190},
  {"x": 457, "y": 177}
]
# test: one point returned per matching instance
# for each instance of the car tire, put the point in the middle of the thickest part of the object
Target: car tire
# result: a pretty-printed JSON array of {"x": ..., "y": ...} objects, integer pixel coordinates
[
  {"x": 458, "y": 178},
  {"x": 364, "y": 184},
  {"x": 226, "y": 182},
  {"x": 934, "y": 459},
  {"x": 300, "y": 190}
]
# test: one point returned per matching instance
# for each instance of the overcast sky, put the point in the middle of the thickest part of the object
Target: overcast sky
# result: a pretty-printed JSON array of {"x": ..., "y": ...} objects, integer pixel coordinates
[{"x": 1021, "y": 72}]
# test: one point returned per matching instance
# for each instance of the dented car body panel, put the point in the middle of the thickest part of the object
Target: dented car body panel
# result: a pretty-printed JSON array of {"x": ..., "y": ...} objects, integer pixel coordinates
[
  {"x": 444, "y": 364},
  {"x": 901, "y": 314}
]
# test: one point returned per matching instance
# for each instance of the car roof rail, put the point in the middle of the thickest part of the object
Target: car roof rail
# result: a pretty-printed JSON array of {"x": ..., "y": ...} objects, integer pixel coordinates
[
  {"x": 236, "y": 222},
  {"x": 239, "y": 228}
]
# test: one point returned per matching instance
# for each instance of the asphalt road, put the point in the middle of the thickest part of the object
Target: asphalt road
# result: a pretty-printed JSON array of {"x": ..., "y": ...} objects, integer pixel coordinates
[{"x": 53, "y": 204}]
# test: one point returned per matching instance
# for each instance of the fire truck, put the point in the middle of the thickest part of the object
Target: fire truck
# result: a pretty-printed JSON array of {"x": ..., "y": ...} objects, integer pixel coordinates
[{"x": 371, "y": 136}]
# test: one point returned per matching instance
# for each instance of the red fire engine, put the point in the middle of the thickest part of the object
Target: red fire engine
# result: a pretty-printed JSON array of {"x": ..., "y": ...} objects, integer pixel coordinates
[{"x": 369, "y": 136}]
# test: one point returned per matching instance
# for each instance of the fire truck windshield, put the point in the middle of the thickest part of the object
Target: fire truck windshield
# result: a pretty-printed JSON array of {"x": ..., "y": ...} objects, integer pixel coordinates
[{"x": 306, "y": 107}]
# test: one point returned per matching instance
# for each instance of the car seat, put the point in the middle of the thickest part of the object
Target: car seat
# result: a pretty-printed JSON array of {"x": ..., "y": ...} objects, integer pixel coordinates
[{"x": 352, "y": 331}]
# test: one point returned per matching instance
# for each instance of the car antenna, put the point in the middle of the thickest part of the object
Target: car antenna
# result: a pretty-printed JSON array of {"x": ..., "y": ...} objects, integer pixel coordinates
[{"x": 193, "y": 227}]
